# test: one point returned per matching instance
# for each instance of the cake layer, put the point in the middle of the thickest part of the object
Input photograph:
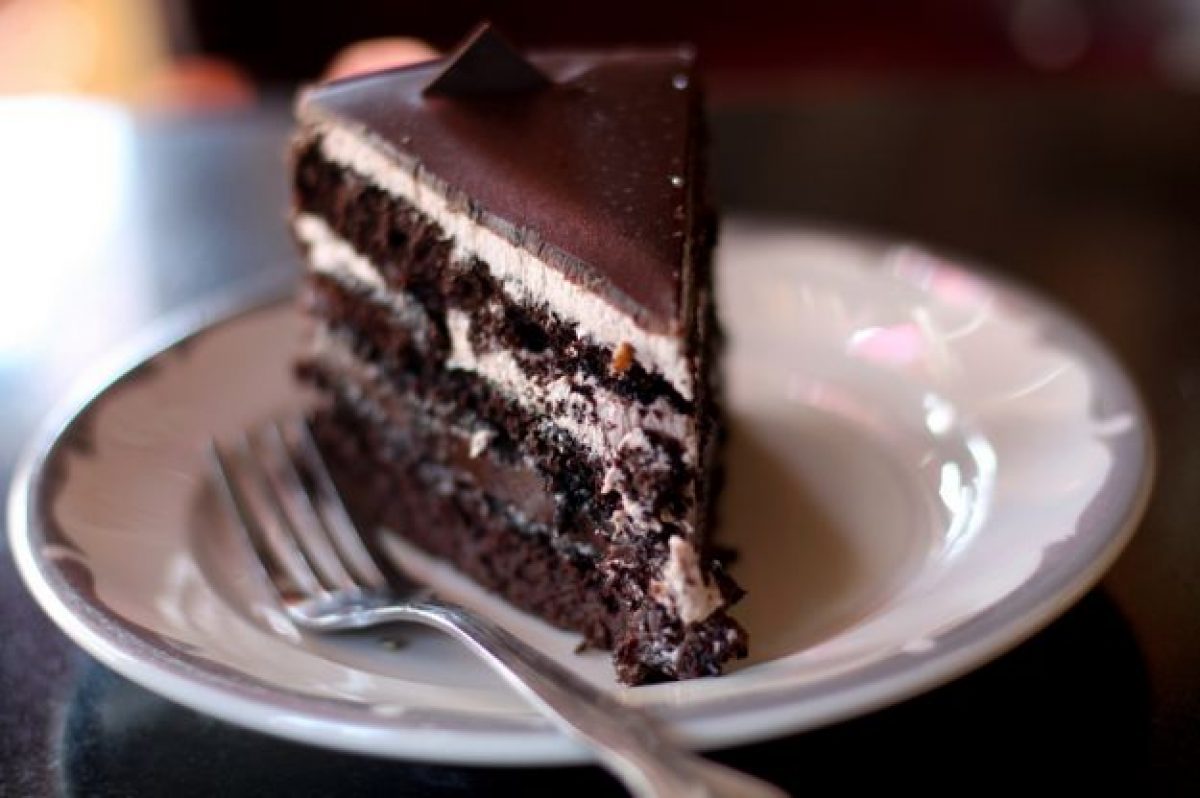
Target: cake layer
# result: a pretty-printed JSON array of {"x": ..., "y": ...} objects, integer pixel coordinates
[
  {"x": 600, "y": 421},
  {"x": 610, "y": 599},
  {"x": 407, "y": 425},
  {"x": 462, "y": 416},
  {"x": 466, "y": 527}
]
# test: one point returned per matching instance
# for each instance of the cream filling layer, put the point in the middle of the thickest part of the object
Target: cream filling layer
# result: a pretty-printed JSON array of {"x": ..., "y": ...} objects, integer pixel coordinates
[
  {"x": 525, "y": 278},
  {"x": 599, "y": 422},
  {"x": 682, "y": 585},
  {"x": 333, "y": 257}
]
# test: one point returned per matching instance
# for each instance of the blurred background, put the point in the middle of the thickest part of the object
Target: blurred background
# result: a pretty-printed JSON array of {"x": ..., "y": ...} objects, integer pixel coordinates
[{"x": 201, "y": 53}]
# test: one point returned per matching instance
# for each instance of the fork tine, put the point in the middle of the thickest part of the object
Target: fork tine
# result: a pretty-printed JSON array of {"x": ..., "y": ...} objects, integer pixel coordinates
[
  {"x": 261, "y": 519},
  {"x": 305, "y": 519},
  {"x": 342, "y": 531},
  {"x": 235, "y": 510}
]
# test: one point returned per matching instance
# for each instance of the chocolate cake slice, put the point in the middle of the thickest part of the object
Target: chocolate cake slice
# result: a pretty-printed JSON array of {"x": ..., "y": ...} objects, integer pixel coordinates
[{"x": 509, "y": 279}]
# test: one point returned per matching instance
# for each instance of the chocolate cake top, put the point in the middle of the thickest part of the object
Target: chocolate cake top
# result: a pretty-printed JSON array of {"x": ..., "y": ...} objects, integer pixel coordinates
[{"x": 590, "y": 169}]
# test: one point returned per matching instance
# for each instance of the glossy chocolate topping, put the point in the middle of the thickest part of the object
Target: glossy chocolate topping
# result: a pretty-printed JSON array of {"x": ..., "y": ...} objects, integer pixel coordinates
[{"x": 592, "y": 173}]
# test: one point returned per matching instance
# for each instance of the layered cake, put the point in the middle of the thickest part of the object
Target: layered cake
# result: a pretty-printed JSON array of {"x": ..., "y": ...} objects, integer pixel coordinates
[{"x": 513, "y": 333}]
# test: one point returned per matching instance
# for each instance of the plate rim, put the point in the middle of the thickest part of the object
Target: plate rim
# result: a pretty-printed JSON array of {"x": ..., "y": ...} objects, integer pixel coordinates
[{"x": 777, "y": 712}]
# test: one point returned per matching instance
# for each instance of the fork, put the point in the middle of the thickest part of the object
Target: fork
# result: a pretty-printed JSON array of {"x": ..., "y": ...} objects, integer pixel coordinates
[{"x": 281, "y": 495}]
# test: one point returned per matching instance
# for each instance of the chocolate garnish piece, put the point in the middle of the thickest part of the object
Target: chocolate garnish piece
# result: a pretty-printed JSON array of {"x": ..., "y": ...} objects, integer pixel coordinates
[{"x": 485, "y": 63}]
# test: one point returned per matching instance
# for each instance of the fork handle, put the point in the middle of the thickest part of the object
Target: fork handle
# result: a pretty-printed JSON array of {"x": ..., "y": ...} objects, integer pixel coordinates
[{"x": 629, "y": 742}]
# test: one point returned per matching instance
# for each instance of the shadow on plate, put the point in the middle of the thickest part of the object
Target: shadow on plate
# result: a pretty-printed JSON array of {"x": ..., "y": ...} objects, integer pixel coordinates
[
  {"x": 1070, "y": 707},
  {"x": 813, "y": 567}
]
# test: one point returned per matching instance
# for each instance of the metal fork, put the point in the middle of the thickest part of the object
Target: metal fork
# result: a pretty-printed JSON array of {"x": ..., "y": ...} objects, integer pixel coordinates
[{"x": 280, "y": 493}]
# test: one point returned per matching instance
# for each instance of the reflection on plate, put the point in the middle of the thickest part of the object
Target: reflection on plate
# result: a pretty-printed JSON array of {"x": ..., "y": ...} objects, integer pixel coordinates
[{"x": 926, "y": 466}]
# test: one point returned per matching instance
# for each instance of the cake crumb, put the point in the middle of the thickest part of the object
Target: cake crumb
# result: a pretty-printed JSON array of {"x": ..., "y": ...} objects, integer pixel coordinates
[{"x": 622, "y": 358}]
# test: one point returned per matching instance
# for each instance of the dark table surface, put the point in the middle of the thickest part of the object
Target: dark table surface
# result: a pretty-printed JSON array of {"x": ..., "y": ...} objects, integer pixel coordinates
[{"x": 1090, "y": 194}]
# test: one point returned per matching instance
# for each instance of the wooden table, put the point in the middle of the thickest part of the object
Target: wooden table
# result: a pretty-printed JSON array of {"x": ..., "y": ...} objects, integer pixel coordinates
[{"x": 1092, "y": 195}]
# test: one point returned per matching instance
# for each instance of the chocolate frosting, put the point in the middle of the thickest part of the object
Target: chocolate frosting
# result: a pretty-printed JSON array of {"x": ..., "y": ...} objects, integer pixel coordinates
[{"x": 592, "y": 173}]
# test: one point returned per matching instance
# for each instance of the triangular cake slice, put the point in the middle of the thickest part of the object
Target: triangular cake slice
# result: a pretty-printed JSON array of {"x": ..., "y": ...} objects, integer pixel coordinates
[{"x": 509, "y": 273}]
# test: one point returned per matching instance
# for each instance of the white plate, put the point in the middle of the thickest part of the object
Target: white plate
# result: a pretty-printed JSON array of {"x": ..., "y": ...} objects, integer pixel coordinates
[{"x": 927, "y": 465}]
